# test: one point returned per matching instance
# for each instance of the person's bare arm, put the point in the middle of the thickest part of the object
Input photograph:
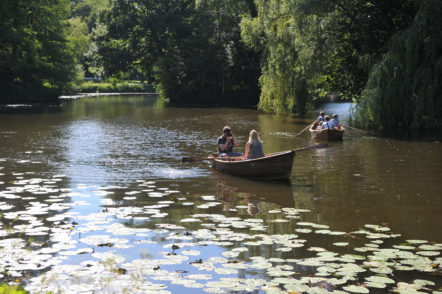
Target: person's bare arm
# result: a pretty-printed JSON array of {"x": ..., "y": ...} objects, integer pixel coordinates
[
  {"x": 226, "y": 144},
  {"x": 235, "y": 142},
  {"x": 247, "y": 150}
]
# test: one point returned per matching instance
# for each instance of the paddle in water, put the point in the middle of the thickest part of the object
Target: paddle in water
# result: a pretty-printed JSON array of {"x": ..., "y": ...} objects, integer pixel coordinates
[
  {"x": 304, "y": 129},
  {"x": 194, "y": 159},
  {"x": 358, "y": 130}
]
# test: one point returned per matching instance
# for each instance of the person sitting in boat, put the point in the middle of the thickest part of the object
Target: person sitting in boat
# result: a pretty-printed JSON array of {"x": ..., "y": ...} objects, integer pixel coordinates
[
  {"x": 326, "y": 124},
  {"x": 321, "y": 117},
  {"x": 253, "y": 146},
  {"x": 334, "y": 123},
  {"x": 226, "y": 142}
]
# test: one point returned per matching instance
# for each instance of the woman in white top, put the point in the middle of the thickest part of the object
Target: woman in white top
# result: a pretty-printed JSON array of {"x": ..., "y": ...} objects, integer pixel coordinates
[{"x": 326, "y": 124}]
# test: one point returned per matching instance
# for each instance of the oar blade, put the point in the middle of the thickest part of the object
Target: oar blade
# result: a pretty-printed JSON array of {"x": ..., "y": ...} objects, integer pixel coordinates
[
  {"x": 316, "y": 146},
  {"x": 193, "y": 159},
  {"x": 359, "y": 130}
]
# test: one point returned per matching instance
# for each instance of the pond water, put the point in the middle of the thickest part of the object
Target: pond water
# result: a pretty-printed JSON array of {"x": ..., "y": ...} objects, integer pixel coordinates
[{"x": 94, "y": 198}]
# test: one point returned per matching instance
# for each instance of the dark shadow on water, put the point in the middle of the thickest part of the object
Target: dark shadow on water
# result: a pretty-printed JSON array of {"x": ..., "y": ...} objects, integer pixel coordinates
[{"x": 412, "y": 135}]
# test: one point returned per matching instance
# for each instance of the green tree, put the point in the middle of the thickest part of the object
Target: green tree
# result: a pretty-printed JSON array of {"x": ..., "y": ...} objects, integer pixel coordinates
[
  {"x": 192, "y": 50},
  {"x": 352, "y": 36},
  {"x": 405, "y": 88},
  {"x": 35, "y": 60},
  {"x": 286, "y": 63},
  {"x": 311, "y": 48},
  {"x": 86, "y": 16}
]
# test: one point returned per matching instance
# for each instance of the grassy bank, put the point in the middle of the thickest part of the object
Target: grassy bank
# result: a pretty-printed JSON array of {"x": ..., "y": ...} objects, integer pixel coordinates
[{"x": 116, "y": 87}]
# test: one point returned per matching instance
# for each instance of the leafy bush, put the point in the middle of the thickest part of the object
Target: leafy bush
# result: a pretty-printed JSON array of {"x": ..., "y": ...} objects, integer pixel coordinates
[
  {"x": 116, "y": 87},
  {"x": 6, "y": 289}
]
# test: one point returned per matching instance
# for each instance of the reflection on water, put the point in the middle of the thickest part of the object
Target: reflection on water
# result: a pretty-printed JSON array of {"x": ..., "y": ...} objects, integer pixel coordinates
[
  {"x": 95, "y": 191},
  {"x": 230, "y": 190}
]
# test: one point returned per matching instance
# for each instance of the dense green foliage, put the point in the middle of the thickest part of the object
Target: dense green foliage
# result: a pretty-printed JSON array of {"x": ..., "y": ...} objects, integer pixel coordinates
[
  {"x": 193, "y": 50},
  {"x": 313, "y": 48},
  {"x": 34, "y": 53},
  {"x": 405, "y": 88},
  {"x": 281, "y": 55},
  {"x": 86, "y": 13},
  {"x": 116, "y": 87}
]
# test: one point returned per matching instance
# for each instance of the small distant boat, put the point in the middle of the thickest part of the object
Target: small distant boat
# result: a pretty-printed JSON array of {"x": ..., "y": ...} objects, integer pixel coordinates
[
  {"x": 327, "y": 134},
  {"x": 274, "y": 166}
]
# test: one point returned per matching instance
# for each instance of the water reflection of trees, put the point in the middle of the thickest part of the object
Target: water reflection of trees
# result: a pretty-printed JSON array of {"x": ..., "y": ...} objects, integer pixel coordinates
[{"x": 373, "y": 180}]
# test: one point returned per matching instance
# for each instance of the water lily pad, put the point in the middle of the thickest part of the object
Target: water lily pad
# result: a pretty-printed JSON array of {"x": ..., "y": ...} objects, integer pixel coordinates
[
  {"x": 378, "y": 228},
  {"x": 226, "y": 271},
  {"x": 274, "y": 211},
  {"x": 356, "y": 289},
  {"x": 404, "y": 247},
  {"x": 208, "y": 198},
  {"x": 191, "y": 252},
  {"x": 428, "y": 253},
  {"x": 190, "y": 220},
  {"x": 417, "y": 241},
  {"x": 380, "y": 279},
  {"x": 429, "y": 247},
  {"x": 341, "y": 244},
  {"x": 423, "y": 282}
]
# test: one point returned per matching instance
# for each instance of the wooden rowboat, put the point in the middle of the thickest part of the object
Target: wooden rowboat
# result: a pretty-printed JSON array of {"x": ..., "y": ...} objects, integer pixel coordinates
[
  {"x": 327, "y": 134},
  {"x": 274, "y": 166}
]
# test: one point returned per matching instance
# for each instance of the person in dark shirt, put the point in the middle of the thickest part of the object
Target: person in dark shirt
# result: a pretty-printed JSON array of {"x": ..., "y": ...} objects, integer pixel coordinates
[{"x": 226, "y": 142}]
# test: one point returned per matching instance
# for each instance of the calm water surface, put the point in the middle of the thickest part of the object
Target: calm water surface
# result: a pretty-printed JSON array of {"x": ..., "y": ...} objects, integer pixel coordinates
[{"x": 98, "y": 183}]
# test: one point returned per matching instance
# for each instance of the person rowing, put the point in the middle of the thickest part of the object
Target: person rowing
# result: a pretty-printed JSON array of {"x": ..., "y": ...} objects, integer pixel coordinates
[{"x": 326, "y": 124}]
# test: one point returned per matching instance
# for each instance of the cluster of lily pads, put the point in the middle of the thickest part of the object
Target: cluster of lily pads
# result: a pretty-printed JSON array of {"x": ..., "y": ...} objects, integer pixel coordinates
[{"x": 63, "y": 238}]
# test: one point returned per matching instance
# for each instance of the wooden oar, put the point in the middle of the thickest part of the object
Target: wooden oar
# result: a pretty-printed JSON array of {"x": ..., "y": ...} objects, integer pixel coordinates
[
  {"x": 193, "y": 159},
  {"x": 317, "y": 146},
  {"x": 358, "y": 130},
  {"x": 304, "y": 129}
]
